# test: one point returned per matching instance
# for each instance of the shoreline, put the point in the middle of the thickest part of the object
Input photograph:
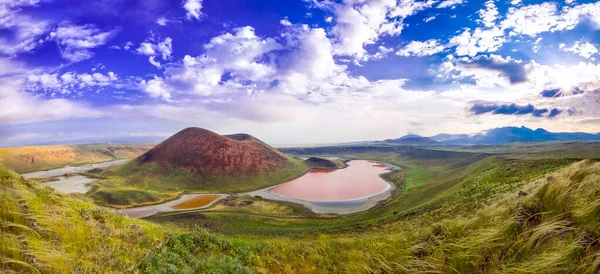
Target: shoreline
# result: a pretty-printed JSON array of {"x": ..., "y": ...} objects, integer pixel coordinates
[
  {"x": 339, "y": 207},
  {"x": 149, "y": 210}
]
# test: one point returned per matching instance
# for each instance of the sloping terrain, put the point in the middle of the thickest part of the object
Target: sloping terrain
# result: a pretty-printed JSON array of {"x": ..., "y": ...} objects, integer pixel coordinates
[
  {"x": 195, "y": 160},
  {"x": 204, "y": 152},
  {"x": 316, "y": 162},
  {"x": 34, "y": 158},
  {"x": 45, "y": 231},
  {"x": 503, "y": 215}
]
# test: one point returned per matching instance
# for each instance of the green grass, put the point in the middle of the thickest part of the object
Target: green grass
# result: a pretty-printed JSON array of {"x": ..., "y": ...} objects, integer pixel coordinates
[
  {"x": 35, "y": 158},
  {"x": 44, "y": 231},
  {"x": 473, "y": 181},
  {"x": 149, "y": 184},
  {"x": 463, "y": 214}
]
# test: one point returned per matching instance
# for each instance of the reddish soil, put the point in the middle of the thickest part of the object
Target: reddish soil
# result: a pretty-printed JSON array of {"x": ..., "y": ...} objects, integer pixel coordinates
[
  {"x": 196, "y": 202},
  {"x": 379, "y": 165},
  {"x": 204, "y": 152}
]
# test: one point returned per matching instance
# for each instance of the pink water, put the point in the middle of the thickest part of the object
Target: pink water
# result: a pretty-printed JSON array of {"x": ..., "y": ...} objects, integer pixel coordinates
[{"x": 359, "y": 180}]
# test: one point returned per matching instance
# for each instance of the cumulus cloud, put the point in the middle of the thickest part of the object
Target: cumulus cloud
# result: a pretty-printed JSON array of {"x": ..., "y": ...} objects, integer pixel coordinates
[
  {"x": 162, "y": 21},
  {"x": 193, "y": 9},
  {"x": 450, "y": 3},
  {"x": 163, "y": 49},
  {"x": 285, "y": 22},
  {"x": 358, "y": 24},
  {"x": 529, "y": 20},
  {"x": 583, "y": 49},
  {"x": 234, "y": 56},
  {"x": 156, "y": 88},
  {"x": 76, "y": 41},
  {"x": 535, "y": 19},
  {"x": 68, "y": 82},
  {"x": 489, "y": 14},
  {"x": 418, "y": 48},
  {"x": 19, "y": 106}
]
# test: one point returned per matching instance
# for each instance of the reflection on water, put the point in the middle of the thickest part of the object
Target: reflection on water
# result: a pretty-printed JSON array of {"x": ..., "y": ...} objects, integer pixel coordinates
[{"x": 359, "y": 180}]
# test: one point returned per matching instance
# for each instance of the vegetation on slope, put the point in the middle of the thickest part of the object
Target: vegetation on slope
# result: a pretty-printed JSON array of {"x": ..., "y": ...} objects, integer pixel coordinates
[
  {"x": 44, "y": 231},
  {"x": 34, "y": 158},
  {"x": 196, "y": 160},
  {"x": 513, "y": 215},
  {"x": 550, "y": 225},
  {"x": 131, "y": 184},
  {"x": 316, "y": 162}
]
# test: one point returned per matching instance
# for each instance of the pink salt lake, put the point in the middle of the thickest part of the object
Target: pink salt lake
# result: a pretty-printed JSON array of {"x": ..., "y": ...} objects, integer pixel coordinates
[{"x": 359, "y": 180}]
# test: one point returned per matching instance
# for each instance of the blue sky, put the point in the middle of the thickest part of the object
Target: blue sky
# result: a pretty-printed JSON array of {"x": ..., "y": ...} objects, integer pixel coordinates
[{"x": 292, "y": 72}]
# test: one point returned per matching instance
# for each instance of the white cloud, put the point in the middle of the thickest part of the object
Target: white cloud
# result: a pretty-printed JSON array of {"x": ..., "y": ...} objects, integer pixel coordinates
[
  {"x": 162, "y": 21},
  {"x": 68, "y": 82},
  {"x": 156, "y": 88},
  {"x": 146, "y": 49},
  {"x": 479, "y": 40},
  {"x": 583, "y": 49},
  {"x": 450, "y": 3},
  {"x": 75, "y": 41},
  {"x": 358, "y": 23},
  {"x": 532, "y": 20},
  {"x": 418, "y": 48},
  {"x": 430, "y": 18},
  {"x": 164, "y": 49},
  {"x": 236, "y": 53},
  {"x": 19, "y": 106},
  {"x": 285, "y": 22},
  {"x": 25, "y": 32},
  {"x": 193, "y": 8},
  {"x": 489, "y": 14}
]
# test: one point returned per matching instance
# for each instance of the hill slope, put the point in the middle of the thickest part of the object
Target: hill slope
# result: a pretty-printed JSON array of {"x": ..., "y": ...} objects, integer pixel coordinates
[
  {"x": 34, "y": 158},
  {"x": 316, "y": 162},
  {"x": 547, "y": 225},
  {"x": 196, "y": 160},
  {"x": 204, "y": 152},
  {"x": 45, "y": 231}
]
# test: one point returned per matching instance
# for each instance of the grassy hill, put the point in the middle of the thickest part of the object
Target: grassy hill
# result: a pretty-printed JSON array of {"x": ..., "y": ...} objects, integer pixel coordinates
[
  {"x": 196, "y": 160},
  {"x": 34, "y": 158},
  {"x": 453, "y": 212},
  {"x": 316, "y": 162},
  {"x": 44, "y": 231}
]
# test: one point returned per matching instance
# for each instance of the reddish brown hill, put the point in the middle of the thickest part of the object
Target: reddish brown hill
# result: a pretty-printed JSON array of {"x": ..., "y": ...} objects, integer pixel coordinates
[{"x": 204, "y": 152}]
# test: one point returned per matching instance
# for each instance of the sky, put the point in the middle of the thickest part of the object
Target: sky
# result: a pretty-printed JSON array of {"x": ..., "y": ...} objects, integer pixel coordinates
[{"x": 294, "y": 72}]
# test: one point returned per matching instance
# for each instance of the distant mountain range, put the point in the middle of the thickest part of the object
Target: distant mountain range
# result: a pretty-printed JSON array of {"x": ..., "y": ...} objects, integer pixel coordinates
[{"x": 497, "y": 136}]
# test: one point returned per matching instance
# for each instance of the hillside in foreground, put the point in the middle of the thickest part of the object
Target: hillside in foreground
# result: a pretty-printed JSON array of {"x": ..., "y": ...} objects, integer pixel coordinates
[
  {"x": 196, "y": 160},
  {"x": 548, "y": 225},
  {"x": 45, "y": 231}
]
